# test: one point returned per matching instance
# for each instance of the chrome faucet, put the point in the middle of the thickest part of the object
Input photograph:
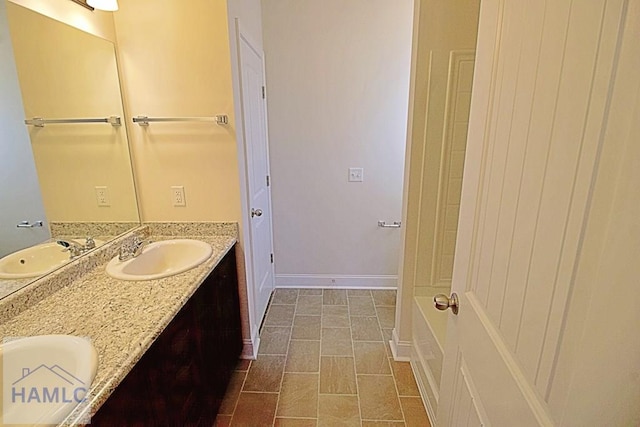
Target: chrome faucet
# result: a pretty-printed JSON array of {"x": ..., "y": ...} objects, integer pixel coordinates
[
  {"x": 76, "y": 249},
  {"x": 132, "y": 248}
]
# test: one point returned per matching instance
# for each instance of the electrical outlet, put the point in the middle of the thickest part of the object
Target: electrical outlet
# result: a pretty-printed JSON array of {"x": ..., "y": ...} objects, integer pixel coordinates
[
  {"x": 356, "y": 174},
  {"x": 177, "y": 195},
  {"x": 102, "y": 196}
]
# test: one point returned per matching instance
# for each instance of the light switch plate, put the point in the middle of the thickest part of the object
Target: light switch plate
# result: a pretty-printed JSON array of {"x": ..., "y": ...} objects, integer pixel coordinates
[{"x": 356, "y": 174}]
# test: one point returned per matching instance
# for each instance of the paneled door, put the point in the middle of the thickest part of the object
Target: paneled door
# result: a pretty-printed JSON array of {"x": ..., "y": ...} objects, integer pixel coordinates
[
  {"x": 257, "y": 160},
  {"x": 542, "y": 86}
]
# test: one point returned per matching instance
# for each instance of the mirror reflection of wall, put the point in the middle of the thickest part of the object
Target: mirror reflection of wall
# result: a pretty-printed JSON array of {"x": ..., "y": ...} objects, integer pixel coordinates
[
  {"x": 63, "y": 73},
  {"x": 67, "y": 73},
  {"x": 20, "y": 198}
]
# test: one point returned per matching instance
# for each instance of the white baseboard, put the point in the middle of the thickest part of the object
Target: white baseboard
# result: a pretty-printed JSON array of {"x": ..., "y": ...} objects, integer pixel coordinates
[
  {"x": 401, "y": 350},
  {"x": 247, "y": 350},
  {"x": 250, "y": 347},
  {"x": 335, "y": 281}
]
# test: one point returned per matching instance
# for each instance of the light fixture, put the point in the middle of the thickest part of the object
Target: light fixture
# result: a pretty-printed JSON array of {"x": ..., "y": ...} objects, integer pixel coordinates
[{"x": 108, "y": 5}]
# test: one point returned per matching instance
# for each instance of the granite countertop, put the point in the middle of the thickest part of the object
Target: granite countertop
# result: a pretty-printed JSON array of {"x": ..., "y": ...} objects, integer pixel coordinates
[
  {"x": 8, "y": 286},
  {"x": 122, "y": 318}
]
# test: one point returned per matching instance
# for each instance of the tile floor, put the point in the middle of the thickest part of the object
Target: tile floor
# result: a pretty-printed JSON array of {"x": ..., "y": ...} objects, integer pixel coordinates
[{"x": 325, "y": 360}]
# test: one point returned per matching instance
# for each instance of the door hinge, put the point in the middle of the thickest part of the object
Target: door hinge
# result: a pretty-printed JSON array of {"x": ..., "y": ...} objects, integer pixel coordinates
[
  {"x": 268, "y": 181},
  {"x": 271, "y": 258},
  {"x": 264, "y": 95}
]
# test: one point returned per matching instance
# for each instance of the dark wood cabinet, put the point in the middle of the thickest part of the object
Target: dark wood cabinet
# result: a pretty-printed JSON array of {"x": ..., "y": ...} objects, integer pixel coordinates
[{"x": 182, "y": 378}]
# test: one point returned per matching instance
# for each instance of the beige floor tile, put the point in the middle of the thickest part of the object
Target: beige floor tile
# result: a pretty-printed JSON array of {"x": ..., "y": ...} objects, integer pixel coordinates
[
  {"x": 334, "y": 297},
  {"x": 361, "y": 306},
  {"x": 335, "y": 316},
  {"x": 255, "y": 409},
  {"x": 387, "y": 347},
  {"x": 369, "y": 423},
  {"x": 296, "y": 422},
  {"x": 274, "y": 340},
  {"x": 299, "y": 396},
  {"x": 222, "y": 421},
  {"x": 306, "y": 328},
  {"x": 358, "y": 293},
  {"x": 310, "y": 292},
  {"x": 336, "y": 342},
  {"x": 384, "y": 297},
  {"x": 371, "y": 358},
  {"x": 303, "y": 356},
  {"x": 386, "y": 337},
  {"x": 337, "y": 375},
  {"x": 405, "y": 380},
  {"x": 309, "y": 305},
  {"x": 387, "y": 334},
  {"x": 378, "y": 398},
  {"x": 386, "y": 316},
  {"x": 265, "y": 374},
  {"x": 338, "y": 411},
  {"x": 243, "y": 365},
  {"x": 233, "y": 392},
  {"x": 365, "y": 329},
  {"x": 331, "y": 321},
  {"x": 414, "y": 412},
  {"x": 342, "y": 335},
  {"x": 285, "y": 296},
  {"x": 335, "y": 310},
  {"x": 280, "y": 315}
]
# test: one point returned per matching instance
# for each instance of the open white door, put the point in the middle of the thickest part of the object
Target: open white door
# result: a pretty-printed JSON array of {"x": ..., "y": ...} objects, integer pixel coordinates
[
  {"x": 542, "y": 86},
  {"x": 257, "y": 160}
]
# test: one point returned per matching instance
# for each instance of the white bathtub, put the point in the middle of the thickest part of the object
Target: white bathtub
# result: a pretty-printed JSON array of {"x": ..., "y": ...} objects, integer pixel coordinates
[{"x": 429, "y": 334}]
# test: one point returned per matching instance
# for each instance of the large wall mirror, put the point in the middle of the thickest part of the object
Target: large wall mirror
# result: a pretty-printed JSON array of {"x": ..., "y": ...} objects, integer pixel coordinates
[{"x": 83, "y": 168}]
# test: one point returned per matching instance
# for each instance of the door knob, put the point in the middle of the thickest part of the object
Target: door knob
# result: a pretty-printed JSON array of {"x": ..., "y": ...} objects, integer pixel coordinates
[
  {"x": 256, "y": 212},
  {"x": 442, "y": 302}
]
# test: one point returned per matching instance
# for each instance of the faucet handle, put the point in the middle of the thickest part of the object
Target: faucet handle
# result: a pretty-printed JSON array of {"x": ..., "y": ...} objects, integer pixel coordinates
[{"x": 89, "y": 243}]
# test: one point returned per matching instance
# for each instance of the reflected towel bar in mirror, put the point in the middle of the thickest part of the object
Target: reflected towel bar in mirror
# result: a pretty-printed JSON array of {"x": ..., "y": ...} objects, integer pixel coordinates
[
  {"x": 396, "y": 224},
  {"x": 222, "y": 119},
  {"x": 40, "y": 122},
  {"x": 27, "y": 224}
]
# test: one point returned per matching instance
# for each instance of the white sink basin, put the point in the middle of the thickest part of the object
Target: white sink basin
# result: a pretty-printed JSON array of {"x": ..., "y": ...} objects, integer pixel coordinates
[
  {"x": 57, "y": 370},
  {"x": 35, "y": 260},
  {"x": 161, "y": 259}
]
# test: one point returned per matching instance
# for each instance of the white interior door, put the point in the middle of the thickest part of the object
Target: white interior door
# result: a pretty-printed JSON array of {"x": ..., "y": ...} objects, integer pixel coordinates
[
  {"x": 257, "y": 156},
  {"x": 543, "y": 79}
]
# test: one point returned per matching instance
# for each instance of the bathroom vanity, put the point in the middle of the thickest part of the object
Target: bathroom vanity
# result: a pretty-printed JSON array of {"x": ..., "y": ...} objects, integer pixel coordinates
[
  {"x": 165, "y": 347},
  {"x": 182, "y": 378}
]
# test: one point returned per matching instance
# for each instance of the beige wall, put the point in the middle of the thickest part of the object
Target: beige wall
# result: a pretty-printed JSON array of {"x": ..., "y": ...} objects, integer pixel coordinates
[
  {"x": 440, "y": 26},
  {"x": 337, "y": 92},
  {"x": 67, "y": 73},
  {"x": 175, "y": 63}
]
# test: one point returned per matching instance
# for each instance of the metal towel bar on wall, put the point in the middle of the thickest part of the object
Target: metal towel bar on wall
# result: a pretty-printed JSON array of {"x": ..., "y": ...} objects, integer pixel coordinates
[
  {"x": 40, "y": 122},
  {"x": 396, "y": 224},
  {"x": 221, "y": 119}
]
